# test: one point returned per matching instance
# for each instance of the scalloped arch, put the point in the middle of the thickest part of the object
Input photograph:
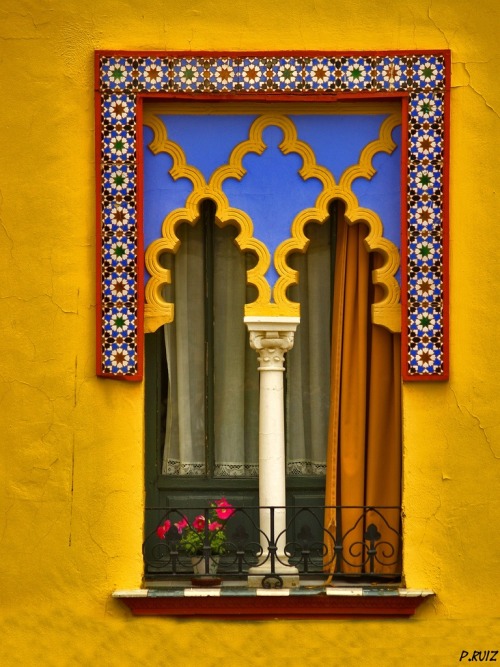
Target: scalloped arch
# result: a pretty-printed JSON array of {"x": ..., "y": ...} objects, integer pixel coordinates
[
  {"x": 156, "y": 310},
  {"x": 387, "y": 311}
]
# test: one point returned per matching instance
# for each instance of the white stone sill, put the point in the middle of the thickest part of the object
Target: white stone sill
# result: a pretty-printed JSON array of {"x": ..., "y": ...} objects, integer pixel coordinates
[{"x": 339, "y": 591}]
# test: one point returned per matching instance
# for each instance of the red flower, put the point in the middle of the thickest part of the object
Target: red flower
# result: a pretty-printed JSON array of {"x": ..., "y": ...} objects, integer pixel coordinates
[
  {"x": 180, "y": 525},
  {"x": 199, "y": 523},
  {"x": 224, "y": 510},
  {"x": 214, "y": 525},
  {"x": 163, "y": 529}
]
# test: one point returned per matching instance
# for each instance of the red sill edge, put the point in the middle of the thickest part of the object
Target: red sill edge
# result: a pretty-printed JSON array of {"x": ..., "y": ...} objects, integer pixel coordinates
[{"x": 262, "y": 608}]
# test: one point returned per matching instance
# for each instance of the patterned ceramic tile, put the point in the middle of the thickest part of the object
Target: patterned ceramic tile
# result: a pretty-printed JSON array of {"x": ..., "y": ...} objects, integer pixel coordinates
[
  {"x": 252, "y": 74},
  {"x": 318, "y": 74},
  {"x": 187, "y": 74},
  {"x": 121, "y": 78},
  {"x": 390, "y": 74}
]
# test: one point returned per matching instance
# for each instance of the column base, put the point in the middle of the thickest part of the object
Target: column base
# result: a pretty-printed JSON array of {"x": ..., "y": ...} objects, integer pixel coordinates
[{"x": 284, "y": 576}]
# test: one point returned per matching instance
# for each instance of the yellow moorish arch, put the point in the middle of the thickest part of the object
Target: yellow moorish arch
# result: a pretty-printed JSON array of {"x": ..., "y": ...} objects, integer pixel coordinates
[
  {"x": 386, "y": 312},
  {"x": 158, "y": 311}
]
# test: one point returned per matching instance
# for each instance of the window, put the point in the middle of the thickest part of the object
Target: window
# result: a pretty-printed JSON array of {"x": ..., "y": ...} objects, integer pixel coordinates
[
  {"x": 217, "y": 453},
  {"x": 211, "y": 428},
  {"x": 247, "y": 176},
  {"x": 418, "y": 81}
]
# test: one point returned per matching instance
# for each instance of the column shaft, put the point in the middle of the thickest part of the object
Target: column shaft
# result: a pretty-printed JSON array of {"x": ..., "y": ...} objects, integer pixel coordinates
[{"x": 271, "y": 339}]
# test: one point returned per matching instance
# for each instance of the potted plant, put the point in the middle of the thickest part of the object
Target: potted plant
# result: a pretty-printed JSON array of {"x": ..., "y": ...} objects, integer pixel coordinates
[{"x": 203, "y": 531}]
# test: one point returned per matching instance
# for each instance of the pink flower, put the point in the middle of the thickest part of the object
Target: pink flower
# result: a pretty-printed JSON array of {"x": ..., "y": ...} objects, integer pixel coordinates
[
  {"x": 199, "y": 523},
  {"x": 180, "y": 525},
  {"x": 162, "y": 530},
  {"x": 214, "y": 525},
  {"x": 224, "y": 510}
]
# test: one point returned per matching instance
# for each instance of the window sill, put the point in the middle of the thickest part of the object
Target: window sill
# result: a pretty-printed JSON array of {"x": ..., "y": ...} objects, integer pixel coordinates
[{"x": 260, "y": 604}]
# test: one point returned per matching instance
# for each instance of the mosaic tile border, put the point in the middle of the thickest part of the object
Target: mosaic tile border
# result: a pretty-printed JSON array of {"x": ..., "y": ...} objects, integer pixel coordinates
[{"x": 420, "y": 78}]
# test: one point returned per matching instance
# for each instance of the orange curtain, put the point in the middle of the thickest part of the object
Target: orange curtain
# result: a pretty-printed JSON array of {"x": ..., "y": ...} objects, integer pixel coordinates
[{"x": 364, "y": 443}]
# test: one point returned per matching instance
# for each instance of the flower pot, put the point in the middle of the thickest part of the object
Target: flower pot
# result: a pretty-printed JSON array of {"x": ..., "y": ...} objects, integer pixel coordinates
[
  {"x": 199, "y": 565},
  {"x": 202, "y": 576}
]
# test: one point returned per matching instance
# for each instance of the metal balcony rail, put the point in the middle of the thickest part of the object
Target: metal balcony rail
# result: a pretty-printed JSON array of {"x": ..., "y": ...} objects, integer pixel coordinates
[{"x": 361, "y": 543}]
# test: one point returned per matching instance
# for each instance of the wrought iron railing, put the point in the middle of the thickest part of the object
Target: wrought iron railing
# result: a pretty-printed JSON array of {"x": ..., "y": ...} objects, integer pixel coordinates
[{"x": 361, "y": 542}]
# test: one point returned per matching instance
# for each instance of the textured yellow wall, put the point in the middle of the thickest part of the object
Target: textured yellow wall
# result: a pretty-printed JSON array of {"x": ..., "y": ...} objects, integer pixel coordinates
[{"x": 71, "y": 476}]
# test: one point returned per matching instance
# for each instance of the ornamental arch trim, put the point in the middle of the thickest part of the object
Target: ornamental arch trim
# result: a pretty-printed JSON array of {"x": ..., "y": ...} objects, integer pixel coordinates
[
  {"x": 420, "y": 80},
  {"x": 157, "y": 311}
]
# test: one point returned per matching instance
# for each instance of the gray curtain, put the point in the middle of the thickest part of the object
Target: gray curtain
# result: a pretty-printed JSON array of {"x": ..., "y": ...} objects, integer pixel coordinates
[
  {"x": 308, "y": 362},
  {"x": 235, "y": 375},
  {"x": 184, "y": 452}
]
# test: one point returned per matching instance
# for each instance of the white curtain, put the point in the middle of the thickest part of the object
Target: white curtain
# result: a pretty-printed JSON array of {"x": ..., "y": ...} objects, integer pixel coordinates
[
  {"x": 184, "y": 452},
  {"x": 308, "y": 362},
  {"x": 236, "y": 380},
  {"x": 235, "y": 376}
]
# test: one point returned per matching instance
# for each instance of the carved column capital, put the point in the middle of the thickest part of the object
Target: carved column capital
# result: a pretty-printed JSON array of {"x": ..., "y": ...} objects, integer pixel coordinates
[
  {"x": 271, "y": 347},
  {"x": 271, "y": 339}
]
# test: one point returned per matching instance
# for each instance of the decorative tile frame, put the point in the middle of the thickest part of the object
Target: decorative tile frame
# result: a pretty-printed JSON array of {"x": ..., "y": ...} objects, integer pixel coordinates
[{"x": 419, "y": 79}]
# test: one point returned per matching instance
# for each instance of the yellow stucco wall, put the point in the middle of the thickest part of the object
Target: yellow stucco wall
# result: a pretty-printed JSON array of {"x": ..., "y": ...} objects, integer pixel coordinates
[{"x": 71, "y": 476}]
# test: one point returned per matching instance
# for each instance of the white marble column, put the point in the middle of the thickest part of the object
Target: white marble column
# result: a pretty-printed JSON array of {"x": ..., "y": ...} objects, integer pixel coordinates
[{"x": 272, "y": 337}]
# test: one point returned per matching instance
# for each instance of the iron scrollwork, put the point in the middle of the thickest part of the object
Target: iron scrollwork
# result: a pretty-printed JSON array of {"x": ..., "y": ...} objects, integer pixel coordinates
[{"x": 364, "y": 542}]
